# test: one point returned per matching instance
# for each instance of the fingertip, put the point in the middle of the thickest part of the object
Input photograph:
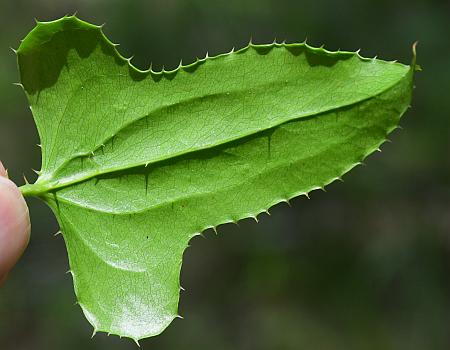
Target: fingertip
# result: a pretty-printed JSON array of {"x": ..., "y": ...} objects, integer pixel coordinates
[{"x": 14, "y": 225}]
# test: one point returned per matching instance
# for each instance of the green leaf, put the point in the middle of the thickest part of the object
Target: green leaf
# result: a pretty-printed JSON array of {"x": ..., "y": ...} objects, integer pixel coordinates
[{"x": 136, "y": 163}]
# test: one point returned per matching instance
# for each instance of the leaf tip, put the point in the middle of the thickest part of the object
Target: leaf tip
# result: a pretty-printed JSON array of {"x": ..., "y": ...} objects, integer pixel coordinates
[{"x": 414, "y": 65}]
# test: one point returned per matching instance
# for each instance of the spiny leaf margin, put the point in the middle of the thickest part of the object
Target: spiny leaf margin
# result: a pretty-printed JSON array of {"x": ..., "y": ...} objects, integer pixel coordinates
[{"x": 30, "y": 190}]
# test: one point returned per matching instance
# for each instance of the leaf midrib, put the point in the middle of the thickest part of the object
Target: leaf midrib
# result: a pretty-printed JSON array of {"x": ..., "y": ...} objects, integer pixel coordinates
[
  {"x": 184, "y": 197},
  {"x": 40, "y": 188}
]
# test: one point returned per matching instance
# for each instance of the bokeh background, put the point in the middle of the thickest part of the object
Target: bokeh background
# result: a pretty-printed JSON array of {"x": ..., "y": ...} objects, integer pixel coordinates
[{"x": 364, "y": 266}]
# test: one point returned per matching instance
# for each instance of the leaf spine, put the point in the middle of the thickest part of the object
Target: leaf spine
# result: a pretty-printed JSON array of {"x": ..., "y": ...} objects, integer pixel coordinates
[{"x": 288, "y": 202}]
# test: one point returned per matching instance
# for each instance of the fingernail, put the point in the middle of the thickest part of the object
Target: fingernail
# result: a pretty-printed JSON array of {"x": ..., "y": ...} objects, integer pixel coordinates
[{"x": 3, "y": 171}]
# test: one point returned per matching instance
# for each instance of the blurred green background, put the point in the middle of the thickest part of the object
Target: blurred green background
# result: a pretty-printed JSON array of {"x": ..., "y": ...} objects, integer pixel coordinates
[{"x": 364, "y": 266}]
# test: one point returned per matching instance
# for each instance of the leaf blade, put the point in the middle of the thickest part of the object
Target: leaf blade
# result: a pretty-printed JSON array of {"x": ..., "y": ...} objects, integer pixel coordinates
[{"x": 129, "y": 203}]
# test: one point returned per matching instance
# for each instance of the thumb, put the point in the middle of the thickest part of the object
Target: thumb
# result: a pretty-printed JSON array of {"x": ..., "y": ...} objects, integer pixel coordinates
[{"x": 14, "y": 224}]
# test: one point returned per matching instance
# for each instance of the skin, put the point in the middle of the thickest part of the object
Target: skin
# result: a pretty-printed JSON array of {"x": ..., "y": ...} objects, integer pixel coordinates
[{"x": 14, "y": 224}]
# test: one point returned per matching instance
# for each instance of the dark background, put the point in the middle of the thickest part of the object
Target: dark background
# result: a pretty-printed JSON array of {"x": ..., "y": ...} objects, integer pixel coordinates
[{"x": 364, "y": 266}]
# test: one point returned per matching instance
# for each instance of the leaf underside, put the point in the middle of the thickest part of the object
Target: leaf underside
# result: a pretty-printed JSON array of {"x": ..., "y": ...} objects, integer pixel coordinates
[{"x": 136, "y": 163}]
